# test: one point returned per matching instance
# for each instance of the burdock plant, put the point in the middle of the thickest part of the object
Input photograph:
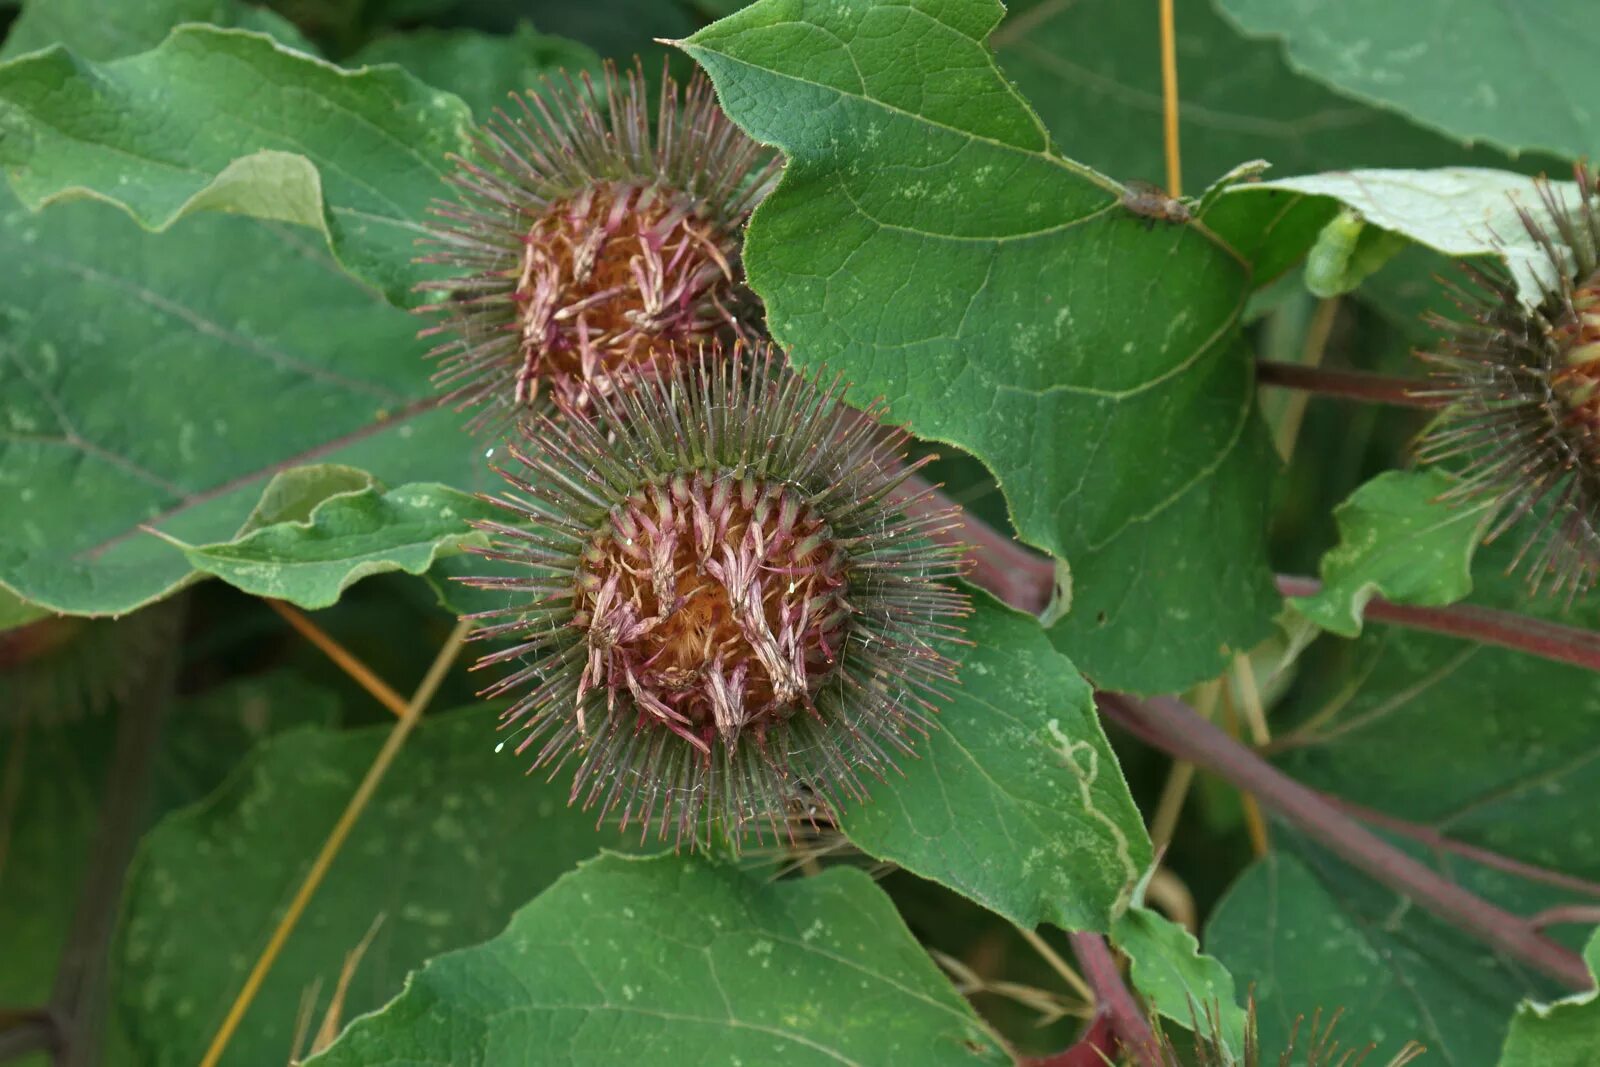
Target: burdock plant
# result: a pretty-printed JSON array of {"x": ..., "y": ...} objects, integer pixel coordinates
[
  {"x": 1522, "y": 383},
  {"x": 585, "y": 246},
  {"x": 722, "y": 613}
]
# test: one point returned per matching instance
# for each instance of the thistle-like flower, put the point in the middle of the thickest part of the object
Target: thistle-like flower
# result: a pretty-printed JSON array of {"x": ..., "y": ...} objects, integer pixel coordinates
[
  {"x": 585, "y": 247},
  {"x": 725, "y": 616},
  {"x": 1521, "y": 383}
]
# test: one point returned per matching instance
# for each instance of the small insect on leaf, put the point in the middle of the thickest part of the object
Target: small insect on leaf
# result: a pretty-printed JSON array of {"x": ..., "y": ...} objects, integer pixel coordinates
[{"x": 1152, "y": 202}]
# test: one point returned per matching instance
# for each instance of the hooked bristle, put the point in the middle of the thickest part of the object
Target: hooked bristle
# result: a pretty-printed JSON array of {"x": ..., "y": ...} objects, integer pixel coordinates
[
  {"x": 726, "y": 618},
  {"x": 587, "y": 247},
  {"x": 1521, "y": 381}
]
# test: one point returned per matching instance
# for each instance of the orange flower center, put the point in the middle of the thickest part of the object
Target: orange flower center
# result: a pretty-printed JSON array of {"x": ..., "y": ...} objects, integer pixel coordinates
[
  {"x": 1576, "y": 381},
  {"x": 607, "y": 277},
  {"x": 716, "y": 604}
]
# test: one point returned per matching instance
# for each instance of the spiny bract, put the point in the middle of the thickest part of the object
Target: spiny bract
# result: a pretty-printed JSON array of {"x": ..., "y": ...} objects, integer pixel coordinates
[
  {"x": 722, "y": 612},
  {"x": 585, "y": 247},
  {"x": 1522, "y": 387}
]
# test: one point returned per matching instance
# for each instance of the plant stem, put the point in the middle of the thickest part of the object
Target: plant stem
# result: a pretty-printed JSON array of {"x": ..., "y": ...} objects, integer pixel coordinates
[
  {"x": 1169, "y": 100},
  {"x": 1315, "y": 347},
  {"x": 1575, "y": 914},
  {"x": 1507, "y": 629},
  {"x": 22, "y": 1032},
  {"x": 1437, "y": 841},
  {"x": 1172, "y": 726},
  {"x": 1025, "y": 580},
  {"x": 1017, "y": 575},
  {"x": 78, "y": 997},
  {"x": 1349, "y": 384},
  {"x": 1073, "y": 979},
  {"x": 342, "y": 657},
  {"x": 1169, "y": 808},
  {"x": 1255, "y": 824},
  {"x": 1094, "y": 1048},
  {"x": 1127, "y": 1017},
  {"x": 336, "y": 839}
]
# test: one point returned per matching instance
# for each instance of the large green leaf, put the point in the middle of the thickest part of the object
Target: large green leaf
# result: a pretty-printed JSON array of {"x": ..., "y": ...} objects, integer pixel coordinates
[
  {"x": 1398, "y": 540},
  {"x": 1015, "y": 799},
  {"x": 1312, "y": 936},
  {"x": 228, "y": 120},
  {"x": 480, "y": 68},
  {"x": 346, "y": 537},
  {"x": 674, "y": 961},
  {"x": 1091, "y": 69},
  {"x": 1515, "y": 74},
  {"x": 1563, "y": 1034},
  {"x": 108, "y": 29},
  {"x": 456, "y": 837},
  {"x": 163, "y": 381},
  {"x": 926, "y": 240}
]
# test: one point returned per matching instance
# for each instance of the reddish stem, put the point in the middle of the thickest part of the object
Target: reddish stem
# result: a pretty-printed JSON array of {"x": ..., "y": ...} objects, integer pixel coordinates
[
  {"x": 1437, "y": 841},
  {"x": 1574, "y": 914},
  {"x": 1349, "y": 384},
  {"x": 1025, "y": 580},
  {"x": 1176, "y": 729},
  {"x": 1016, "y": 574},
  {"x": 1094, "y": 1048},
  {"x": 1507, "y": 629},
  {"x": 1128, "y": 1022}
]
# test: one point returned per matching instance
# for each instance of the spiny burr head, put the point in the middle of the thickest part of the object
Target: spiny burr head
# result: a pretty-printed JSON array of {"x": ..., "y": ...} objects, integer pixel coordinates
[
  {"x": 719, "y": 607},
  {"x": 1521, "y": 382},
  {"x": 586, "y": 246}
]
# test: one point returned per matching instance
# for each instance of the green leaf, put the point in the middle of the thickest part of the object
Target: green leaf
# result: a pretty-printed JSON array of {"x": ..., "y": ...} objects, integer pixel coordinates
[
  {"x": 1015, "y": 799},
  {"x": 109, "y": 29},
  {"x": 1090, "y": 68},
  {"x": 1322, "y": 939},
  {"x": 211, "y": 732},
  {"x": 455, "y": 838},
  {"x": 1460, "y": 211},
  {"x": 673, "y": 960},
  {"x": 227, "y": 120},
  {"x": 152, "y": 381},
  {"x": 1563, "y": 1034},
  {"x": 1397, "y": 539},
  {"x": 346, "y": 538},
  {"x": 1427, "y": 59},
  {"x": 482, "y": 69},
  {"x": 927, "y": 241},
  {"x": 1180, "y": 981}
]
